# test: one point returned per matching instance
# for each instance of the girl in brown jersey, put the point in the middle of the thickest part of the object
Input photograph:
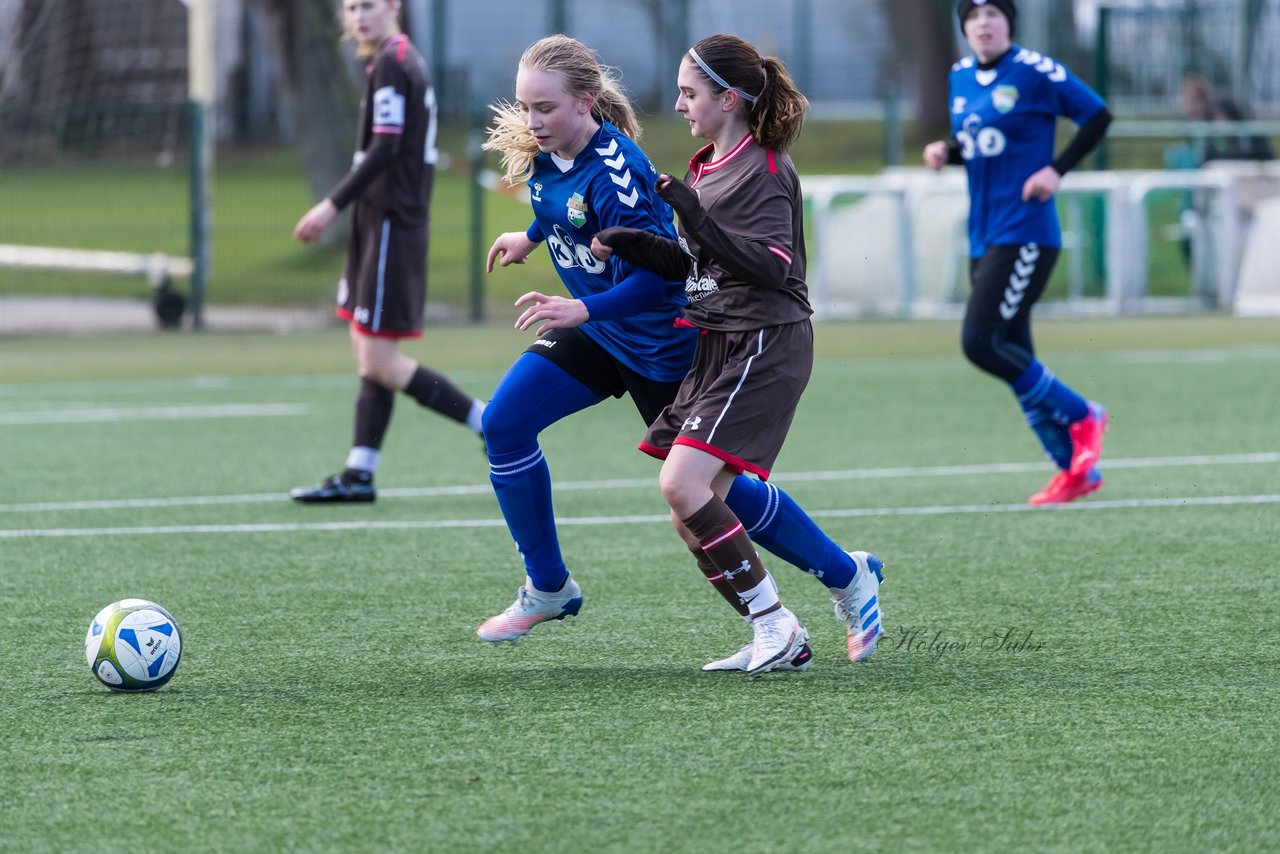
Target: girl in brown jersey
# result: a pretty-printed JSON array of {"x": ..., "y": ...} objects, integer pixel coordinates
[
  {"x": 383, "y": 287},
  {"x": 742, "y": 256}
]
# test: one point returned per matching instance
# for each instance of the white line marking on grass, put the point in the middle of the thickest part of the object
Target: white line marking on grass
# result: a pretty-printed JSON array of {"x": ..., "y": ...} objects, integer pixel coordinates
[
  {"x": 153, "y": 413},
  {"x": 640, "y": 482},
  {"x": 439, "y": 524}
]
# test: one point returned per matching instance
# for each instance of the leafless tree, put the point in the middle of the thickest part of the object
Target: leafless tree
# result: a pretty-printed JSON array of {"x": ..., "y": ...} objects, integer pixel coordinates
[{"x": 924, "y": 36}]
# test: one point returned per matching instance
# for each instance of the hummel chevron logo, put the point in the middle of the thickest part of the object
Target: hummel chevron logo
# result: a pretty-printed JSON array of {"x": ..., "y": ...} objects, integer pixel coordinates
[
  {"x": 607, "y": 151},
  {"x": 629, "y": 200},
  {"x": 1023, "y": 267},
  {"x": 623, "y": 180}
]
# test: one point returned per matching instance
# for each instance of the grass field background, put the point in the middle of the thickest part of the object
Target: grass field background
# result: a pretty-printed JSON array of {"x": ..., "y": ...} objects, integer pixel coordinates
[{"x": 333, "y": 696}]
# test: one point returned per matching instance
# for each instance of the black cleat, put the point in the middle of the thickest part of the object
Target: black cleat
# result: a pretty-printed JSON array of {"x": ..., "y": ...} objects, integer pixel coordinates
[{"x": 334, "y": 490}]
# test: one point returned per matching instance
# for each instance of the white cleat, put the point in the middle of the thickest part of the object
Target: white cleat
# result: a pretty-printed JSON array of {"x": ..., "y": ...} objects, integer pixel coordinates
[
  {"x": 532, "y": 606},
  {"x": 858, "y": 606},
  {"x": 779, "y": 638},
  {"x": 741, "y": 659}
]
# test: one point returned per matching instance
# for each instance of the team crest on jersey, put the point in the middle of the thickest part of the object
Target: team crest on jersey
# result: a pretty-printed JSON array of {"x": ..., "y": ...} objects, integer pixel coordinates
[
  {"x": 577, "y": 209},
  {"x": 1003, "y": 98}
]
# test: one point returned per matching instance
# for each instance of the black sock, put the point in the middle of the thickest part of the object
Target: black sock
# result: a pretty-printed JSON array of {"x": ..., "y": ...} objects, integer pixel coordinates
[
  {"x": 373, "y": 414},
  {"x": 434, "y": 391},
  {"x": 357, "y": 475}
]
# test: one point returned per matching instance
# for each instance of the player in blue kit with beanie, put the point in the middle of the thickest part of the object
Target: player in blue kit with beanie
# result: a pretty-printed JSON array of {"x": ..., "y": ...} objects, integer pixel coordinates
[{"x": 1005, "y": 101}]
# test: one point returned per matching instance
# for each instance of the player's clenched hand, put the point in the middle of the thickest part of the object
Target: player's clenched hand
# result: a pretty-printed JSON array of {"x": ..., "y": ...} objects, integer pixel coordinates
[
  {"x": 935, "y": 155},
  {"x": 1042, "y": 185},
  {"x": 315, "y": 221},
  {"x": 601, "y": 251},
  {"x": 552, "y": 312},
  {"x": 510, "y": 248},
  {"x": 683, "y": 200}
]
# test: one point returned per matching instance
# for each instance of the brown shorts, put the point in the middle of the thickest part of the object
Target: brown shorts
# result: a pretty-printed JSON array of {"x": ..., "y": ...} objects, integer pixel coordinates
[
  {"x": 384, "y": 282},
  {"x": 739, "y": 398}
]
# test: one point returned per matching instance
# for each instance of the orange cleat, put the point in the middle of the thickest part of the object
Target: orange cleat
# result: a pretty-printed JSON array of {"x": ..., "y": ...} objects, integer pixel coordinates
[
  {"x": 1065, "y": 488},
  {"x": 1086, "y": 440}
]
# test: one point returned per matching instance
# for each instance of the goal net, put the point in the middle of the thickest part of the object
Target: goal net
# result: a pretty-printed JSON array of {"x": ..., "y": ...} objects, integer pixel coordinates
[{"x": 94, "y": 165}]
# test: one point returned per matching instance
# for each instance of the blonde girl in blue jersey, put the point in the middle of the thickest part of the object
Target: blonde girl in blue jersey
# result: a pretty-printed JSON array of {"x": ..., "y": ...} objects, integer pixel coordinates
[{"x": 1005, "y": 101}]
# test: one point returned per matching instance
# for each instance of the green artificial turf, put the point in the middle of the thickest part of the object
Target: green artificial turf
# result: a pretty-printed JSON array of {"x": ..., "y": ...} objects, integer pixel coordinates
[{"x": 1099, "y": 677}]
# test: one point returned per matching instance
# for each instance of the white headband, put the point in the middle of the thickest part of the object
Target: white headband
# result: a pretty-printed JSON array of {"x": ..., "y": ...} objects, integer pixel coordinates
[{"x": 716, "y": 77}]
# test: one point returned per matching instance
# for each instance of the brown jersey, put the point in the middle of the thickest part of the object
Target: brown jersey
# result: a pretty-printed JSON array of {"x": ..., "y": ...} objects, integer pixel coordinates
[
  {"x": 394, "y": 162},
  {"x": 754, "y": 193}
]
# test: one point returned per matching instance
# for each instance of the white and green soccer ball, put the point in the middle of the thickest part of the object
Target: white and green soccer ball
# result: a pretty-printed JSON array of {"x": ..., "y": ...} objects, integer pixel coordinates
[{"x": 133, "y": 645}]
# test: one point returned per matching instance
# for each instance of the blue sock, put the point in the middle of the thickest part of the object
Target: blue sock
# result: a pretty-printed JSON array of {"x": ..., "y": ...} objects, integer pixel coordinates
[
  {"x": 1037, "y": 387},
  {"x": 1054, "y": 436},
  {"x": 522, "y": 483},
  {"x": 773, "y": 520},
  {"x": 534, "y": 394}
]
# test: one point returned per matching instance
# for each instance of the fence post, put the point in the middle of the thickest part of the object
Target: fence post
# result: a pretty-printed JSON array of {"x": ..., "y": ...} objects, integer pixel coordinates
[{"x": 475, "y": 138}]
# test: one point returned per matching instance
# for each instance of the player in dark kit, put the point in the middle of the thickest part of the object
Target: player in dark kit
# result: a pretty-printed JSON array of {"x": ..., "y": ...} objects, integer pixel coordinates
[
  {"x": 742, "y": 255},
  {"x": 1005, "y": 101},
  {"x": 384, "y": 282}
]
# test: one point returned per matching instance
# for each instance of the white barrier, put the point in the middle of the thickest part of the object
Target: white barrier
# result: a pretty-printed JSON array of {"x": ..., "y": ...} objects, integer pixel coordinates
[{"x": 902, "y": 249}]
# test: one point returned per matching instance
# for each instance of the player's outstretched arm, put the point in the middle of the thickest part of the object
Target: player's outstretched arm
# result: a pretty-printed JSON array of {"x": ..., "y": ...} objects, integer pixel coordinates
[
  {"x": 748, "y": 260},
  {"x": 553, "y": 312},
  {"x": 513, "y": 247},
  {"x": 643, "y": 249}
]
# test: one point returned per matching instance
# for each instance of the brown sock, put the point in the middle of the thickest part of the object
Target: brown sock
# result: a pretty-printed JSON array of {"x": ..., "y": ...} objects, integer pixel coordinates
[
  {"x": 718, "y": 581},
  {"x": 727, "y": 546}
]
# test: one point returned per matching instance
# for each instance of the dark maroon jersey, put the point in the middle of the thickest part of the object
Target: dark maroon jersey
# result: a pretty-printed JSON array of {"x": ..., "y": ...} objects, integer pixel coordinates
[
  {"x": 397, "y": 113},
  {"x": 754, "y": 193}
]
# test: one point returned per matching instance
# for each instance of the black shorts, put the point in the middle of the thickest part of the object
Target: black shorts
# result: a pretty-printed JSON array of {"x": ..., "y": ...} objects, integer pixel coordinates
[
  {"x": 384, "y": 282},
  {"x": 1007, "y": 281},
  {"x": 739, "y": 398},
  {"x": 574, "y": 352}
]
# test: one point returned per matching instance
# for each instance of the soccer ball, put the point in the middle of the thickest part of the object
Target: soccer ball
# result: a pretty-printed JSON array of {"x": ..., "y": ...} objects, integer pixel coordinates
[{"x": 133, "y": 645}]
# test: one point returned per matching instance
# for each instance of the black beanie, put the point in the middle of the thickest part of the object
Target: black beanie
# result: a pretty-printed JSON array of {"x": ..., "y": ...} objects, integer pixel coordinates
[{"x": 1006, "y": 6}]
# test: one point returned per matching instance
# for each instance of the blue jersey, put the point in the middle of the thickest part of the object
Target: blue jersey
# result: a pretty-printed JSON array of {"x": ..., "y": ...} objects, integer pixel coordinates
[
  {"x": 610, "y": 183},
  {"x": 1004, "y": 120}
]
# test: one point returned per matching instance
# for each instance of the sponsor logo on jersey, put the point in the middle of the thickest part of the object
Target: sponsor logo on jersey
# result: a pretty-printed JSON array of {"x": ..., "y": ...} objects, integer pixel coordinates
[
  {"x": 1003, "y": 98},
  {"x": 698, "y": 288},
  {"x": 536, "y": 194},
  {"x": 388, "y": 108},
  {"x": 577, "y": 210},
  {"x": 568, "y": 253}
]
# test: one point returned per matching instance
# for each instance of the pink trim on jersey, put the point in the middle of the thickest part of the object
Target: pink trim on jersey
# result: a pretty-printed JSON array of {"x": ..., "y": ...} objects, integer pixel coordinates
[
  {"x": 781, "y": 253},
  {"x": 773, "y": 164},
  {"x": 700, "y": 167},
  {"x": 390, "y": 130},
  {"x": 365, "y": 330},
  {"x": 737, "y": 465}
]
